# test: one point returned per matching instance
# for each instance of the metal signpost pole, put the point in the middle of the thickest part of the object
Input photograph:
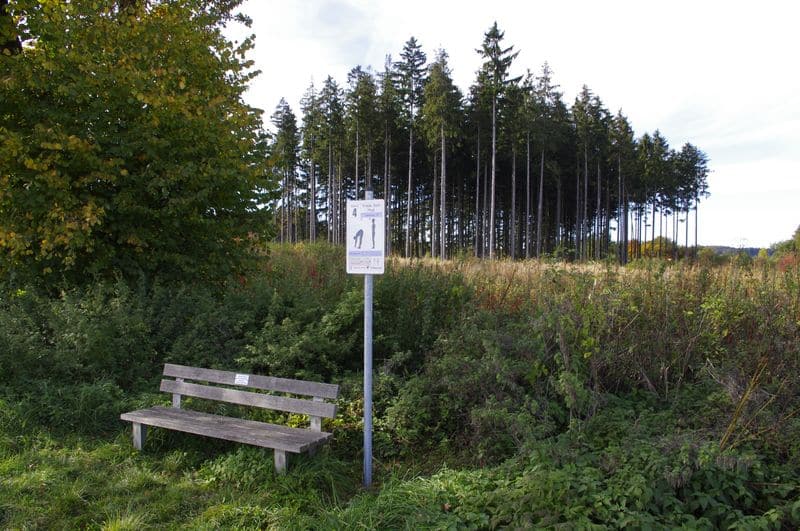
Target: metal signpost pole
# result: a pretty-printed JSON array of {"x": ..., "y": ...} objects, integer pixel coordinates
[
  {"x": 368, "y": 375},
  {"x": 366, "y": 256}
]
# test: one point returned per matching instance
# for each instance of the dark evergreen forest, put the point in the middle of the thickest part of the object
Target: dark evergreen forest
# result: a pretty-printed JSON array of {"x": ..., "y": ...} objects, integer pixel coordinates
[{"x": 506, "y": 169}]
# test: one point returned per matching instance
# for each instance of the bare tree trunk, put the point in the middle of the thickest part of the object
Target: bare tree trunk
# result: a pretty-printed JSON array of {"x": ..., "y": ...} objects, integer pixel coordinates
[
  {"x": 478, "y": 217},
  {"x": 435, "y": 209},
  {"x": 686, "y": 223},
  {"x": 408, "y": 194},
  {"x": 578, "y": 221},
  {"x": 340, "y": 203},
  {"x": 484, "y": 215},
  {"x": 494, "y": 165},
  {"x": 661, "y": 233},
  {"x": 357, "y": 148},
  {"x": 620, "y": 219},
  {"x": 606, "y": 223},
  {"x": 283, "y": 203},
  {"x": 598, "y": 218},
  {"x": 626, "y": 232},
  {"x": 513, "y": 243},
  {"x": 639, "y": 234},
  {"x": 295, "y": 202},
  {"x": 312, "y": 228},
  {"x": 540, "y": 207},
  {"x": 585, "y": 254},
  {"x": 443, "y": 199},
  {"x": 675, "y": 217},
  {"x": 368, "y": 176},
  {"x": 484, "y": 212},
  {"x": 387, "y": 192},
  {"x": 329, "y": 198},
  {"x": 558, "y": 212},
  {"x": 528, "y": 195},
  {"x": 653, "y": 231},
  {"x": 696, "y": 205}
]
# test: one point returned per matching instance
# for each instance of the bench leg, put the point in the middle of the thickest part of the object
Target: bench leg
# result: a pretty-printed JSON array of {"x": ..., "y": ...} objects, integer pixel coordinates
[
  {"x": 280, "y": 462},
  {"x": 139, "y": 434}
]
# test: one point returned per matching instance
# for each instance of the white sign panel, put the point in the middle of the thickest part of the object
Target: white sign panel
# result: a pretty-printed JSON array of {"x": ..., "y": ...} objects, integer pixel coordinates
[{"x": 365, "y": 237}]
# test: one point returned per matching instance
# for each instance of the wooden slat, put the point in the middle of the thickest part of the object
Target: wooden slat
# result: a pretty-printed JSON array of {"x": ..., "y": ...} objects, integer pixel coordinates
[
  {"x": 248, "y": 398},
  {"x": 262, "y": 434},
  {"x": 266, "y": 383}
]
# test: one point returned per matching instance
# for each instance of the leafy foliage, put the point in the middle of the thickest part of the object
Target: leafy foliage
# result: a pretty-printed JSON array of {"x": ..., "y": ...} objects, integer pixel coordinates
[{"x": 124, "y": 143}]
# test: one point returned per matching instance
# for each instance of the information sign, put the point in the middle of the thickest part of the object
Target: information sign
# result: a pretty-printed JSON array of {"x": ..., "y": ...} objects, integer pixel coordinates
[{"x": 366, "y": 236}]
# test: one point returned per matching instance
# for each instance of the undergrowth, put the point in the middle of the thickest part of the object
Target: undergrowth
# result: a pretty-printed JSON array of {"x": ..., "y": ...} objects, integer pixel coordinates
[{"x": 507, "y": 394}]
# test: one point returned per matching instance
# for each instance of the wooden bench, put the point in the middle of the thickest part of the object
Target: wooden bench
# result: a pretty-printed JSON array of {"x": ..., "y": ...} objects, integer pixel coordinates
[{"x": 281, "y": 439}]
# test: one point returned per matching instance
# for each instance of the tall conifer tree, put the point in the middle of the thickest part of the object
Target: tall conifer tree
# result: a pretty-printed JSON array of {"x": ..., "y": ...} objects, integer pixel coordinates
[
  {"x": 411, "y": 72},
  {"x": 441, "y": 114},
  {"x": 497, "y": 61}
]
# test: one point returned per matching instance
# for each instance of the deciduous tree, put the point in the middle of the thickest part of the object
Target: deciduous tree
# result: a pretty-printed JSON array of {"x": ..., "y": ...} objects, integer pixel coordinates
[{"x": 125, "y": 146}]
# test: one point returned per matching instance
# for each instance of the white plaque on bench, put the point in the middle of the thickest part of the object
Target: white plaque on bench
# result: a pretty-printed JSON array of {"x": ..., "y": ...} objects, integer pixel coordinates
[{"x": 241, "y": 379}]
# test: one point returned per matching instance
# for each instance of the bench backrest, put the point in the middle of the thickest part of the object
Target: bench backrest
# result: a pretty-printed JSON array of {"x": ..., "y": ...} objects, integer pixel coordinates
[{"x": 315, "y": 407}]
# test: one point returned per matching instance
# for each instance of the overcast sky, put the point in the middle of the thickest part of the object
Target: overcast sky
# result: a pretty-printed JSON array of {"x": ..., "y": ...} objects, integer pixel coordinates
[{"x": 721, "y": 75}]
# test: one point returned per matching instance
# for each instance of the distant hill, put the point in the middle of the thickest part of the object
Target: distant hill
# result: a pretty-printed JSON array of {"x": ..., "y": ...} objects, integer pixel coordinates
[{"x": 724, "y": 250}]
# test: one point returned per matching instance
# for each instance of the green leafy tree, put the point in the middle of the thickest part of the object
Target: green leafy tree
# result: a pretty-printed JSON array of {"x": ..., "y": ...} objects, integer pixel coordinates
[
  {"x": 125, "y": 146},
  {"x": 10, "y": 43}
]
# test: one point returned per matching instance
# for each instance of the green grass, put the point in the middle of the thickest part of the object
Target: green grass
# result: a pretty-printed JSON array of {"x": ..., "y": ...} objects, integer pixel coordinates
[
  {"x": 102, "y": 483},
  {"x": 637, "y": 463}
]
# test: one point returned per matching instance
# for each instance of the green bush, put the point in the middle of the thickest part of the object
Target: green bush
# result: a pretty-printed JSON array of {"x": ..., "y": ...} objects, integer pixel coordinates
[{"x": 480, "y": 387}]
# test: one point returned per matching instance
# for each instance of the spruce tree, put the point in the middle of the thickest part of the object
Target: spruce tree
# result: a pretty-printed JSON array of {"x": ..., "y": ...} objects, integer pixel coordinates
[
  {"x": 311, "y": 132},
  {"x": 284, "y": 160},
  {"x": 363, "y": 123},
  {"x": 441, "y": 116},
  {"x": 410, "y": 71},
  {"x": 623, "y": 148},
  {"x": 497, "y": 61},
  {"x": 390, "y": 110},
  {"x": 332, "y": 134}
]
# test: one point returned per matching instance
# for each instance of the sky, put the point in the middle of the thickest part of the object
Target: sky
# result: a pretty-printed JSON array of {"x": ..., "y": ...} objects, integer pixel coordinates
[{"x": 724, "y": 76}]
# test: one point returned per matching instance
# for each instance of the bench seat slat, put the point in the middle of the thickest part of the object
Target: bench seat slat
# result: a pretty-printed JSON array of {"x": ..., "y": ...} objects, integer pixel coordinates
[
  {"x": 265, "y": 383},
  {"x": 248, "y": 398},
  {"x": 262, "y": 434}
]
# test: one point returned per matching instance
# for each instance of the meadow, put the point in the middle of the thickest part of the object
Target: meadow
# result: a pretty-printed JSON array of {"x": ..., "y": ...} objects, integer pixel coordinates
[{"x": 507, "y": 394}]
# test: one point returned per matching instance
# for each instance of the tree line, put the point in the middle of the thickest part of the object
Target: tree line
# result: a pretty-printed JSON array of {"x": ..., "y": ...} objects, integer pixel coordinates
[{"x": 507, "y": 169}]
